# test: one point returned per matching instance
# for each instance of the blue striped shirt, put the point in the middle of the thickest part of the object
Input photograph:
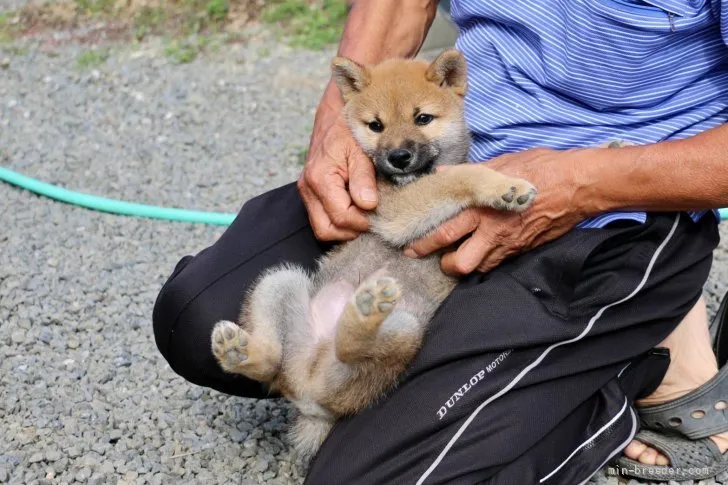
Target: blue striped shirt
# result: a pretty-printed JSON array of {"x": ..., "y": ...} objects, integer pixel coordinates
[{"x": 577, "y": 73}]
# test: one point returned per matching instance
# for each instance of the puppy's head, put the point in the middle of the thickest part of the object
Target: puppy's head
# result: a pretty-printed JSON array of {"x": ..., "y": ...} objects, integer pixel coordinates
[{"x": 407, "y": 115}]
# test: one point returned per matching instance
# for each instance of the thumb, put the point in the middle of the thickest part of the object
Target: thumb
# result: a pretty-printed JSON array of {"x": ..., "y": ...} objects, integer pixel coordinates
[{"x": 362, "y": 182}]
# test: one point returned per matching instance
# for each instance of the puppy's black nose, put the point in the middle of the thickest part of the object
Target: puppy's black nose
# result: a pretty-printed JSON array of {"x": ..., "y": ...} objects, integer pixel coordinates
[{"x": 399, "y": 158}]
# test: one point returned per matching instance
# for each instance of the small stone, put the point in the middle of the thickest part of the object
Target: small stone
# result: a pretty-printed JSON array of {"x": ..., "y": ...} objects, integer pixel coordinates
[
  {"x": 107, "y": 467},
  {"x": 18, "y": 336},
  {"x": 97, "y": 479},
  {"x": 90, "y": 459},
  {"x": 98, "y": 448},
  {"x": 60, "y": 465},
  {"x": 46, "y": 336},
  {"x": 36, "y": 457},
  {"x": 73, "y": 343},
  {"x": 5, "y": 63},
  {"x": 74, "y": 451},
  {"x": 83, "y": 475},
  {"x": 52, "y": 456},
  {"x": 3, "y": 475},
  {"x": 261, "y": 465}
]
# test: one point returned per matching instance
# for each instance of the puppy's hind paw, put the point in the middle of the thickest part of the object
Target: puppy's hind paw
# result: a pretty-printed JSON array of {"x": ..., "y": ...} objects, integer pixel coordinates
[
  {"x": 376, "y": 299},
  {"x": 229, "y": 345}
]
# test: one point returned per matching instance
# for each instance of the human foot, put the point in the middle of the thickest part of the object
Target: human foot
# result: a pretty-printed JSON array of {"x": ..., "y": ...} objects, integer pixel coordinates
[{"x": 692, "y": 365}]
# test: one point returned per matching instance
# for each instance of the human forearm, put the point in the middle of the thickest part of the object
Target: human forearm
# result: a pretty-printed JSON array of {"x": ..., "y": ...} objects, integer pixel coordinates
[
  {"x": 377, "y": 30},
  {"x": 680, "y": 175}
]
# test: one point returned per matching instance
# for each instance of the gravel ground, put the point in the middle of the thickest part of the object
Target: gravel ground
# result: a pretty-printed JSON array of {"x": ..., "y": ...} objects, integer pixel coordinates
[{"x": 84, "y": 394}]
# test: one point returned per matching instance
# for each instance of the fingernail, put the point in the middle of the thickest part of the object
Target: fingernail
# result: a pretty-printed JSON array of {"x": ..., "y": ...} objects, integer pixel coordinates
[
  {"x": 368, "y": 195},
  {"x": 410, "y": 253}
]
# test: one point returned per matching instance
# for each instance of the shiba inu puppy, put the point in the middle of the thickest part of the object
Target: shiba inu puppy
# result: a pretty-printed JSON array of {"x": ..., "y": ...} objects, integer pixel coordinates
[{"x": 334, "y": 341}]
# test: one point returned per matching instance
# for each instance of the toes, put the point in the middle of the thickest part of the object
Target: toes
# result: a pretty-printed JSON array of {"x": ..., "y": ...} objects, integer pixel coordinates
[
  {"x": 526, "y": 198},
  {"x": 377, "y": 296},
  {"x": 387, "y": 289},
  {"x": 219, "y": 338},
  {"x": 648, "y": 457},
  {"x": 364, "y": 301},
  {"x": 634, "y": 450},
  {"x": 510, "y": 195},
  {"x": 229, "y": 332},
  {"x": 519, "y": 197},
  {"x": 662, "y": 460},
  {"x": 235, "y": 357},
  {"x": 385, "y": 306},
  {"x": 644, "y": 454}
]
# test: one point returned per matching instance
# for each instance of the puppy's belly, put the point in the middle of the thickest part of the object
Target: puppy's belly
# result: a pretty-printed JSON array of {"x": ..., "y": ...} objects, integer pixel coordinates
[{"x": 326, "y": 308}]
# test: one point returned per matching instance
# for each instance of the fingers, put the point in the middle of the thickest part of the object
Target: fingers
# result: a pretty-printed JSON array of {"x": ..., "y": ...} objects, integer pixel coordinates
[
  {"x": 446, "y": 235},
  {"x": 323, "y": 187},
  {"x": 362, "y": 182},
  {"x": 482, "y": 252},
  {"x": 322, "y": 226},
  {"x": 466, "y": 258}
]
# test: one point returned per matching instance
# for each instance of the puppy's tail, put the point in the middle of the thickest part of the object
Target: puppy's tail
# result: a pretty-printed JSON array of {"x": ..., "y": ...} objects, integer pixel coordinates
[{"x": 308, "y": 433}]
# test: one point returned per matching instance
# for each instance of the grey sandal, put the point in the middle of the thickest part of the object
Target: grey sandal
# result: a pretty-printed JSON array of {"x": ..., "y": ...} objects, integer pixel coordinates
[{"x": 680, "y": 429}]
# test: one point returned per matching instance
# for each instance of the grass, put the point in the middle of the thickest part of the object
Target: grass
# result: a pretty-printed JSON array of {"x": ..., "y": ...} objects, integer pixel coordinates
[
  {"x": 184, "y": 51},
  {"x": 95, "y": 7},
  {"x": 16, "y": 50},
  {"x": 148, "y": 20},
  {"x": 218, "y": 10},
  {"x": 302, "y": 156},
  {"x": 7, "y": 28},
  {"x": 312, "y": 25},
  {"x": 91, "y": 59}
]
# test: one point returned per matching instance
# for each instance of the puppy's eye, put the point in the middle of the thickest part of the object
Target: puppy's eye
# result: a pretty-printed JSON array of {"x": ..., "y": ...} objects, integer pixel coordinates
[
  {"x": 424, "y": 119},
  {"x": 376, "y": 126}
]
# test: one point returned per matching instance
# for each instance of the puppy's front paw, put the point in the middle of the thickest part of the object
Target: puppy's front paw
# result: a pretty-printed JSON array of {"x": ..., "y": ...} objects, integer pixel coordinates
[
  {"x": 517, "y": 197},
  {"x": 229, "y": 345}
]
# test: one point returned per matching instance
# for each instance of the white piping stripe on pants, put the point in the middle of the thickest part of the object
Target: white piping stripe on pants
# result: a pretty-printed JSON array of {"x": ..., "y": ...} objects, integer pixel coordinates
[
  {"x": 592, "y": 438},
  {"x": 623, "y": 445},
  {"x": 536, "y": 362}
]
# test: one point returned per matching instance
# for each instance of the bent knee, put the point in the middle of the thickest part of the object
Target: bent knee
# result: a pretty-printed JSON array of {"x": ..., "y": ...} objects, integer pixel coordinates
[{"x": 182, "y": 326}]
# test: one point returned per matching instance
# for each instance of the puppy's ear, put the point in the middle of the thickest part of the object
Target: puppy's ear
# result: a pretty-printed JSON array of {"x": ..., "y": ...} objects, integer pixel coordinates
[
  {"x": 449, "y": 70},
  {"x": 349, "y": 76}
]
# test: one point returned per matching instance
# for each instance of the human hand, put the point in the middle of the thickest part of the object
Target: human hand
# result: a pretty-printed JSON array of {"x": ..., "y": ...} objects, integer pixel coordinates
[
  {"x": 338, "y": 183},
  {"x": 493, "y": 235}
]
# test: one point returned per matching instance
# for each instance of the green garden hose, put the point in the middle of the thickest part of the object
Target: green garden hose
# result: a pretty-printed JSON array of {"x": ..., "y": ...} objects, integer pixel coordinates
[
  {"x": 129, "y": 208},
  {"x": 111, "y": 205}
]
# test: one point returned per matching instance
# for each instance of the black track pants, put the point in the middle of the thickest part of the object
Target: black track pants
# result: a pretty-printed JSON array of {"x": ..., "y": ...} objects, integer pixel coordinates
[{"x": 527, "y": 375}]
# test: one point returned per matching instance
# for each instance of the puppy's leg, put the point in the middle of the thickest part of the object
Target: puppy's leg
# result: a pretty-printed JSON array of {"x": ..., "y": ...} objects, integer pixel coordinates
[
  {"x": 412, "y": 211},
  {"x": 359, "y": 323},
  {"x": 308, "y": 433},
  {"x": 280, "y": 299}
]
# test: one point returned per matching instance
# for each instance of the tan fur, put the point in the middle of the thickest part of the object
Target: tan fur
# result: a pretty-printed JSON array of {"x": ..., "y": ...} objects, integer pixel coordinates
[{"x": 390, "y": 298}]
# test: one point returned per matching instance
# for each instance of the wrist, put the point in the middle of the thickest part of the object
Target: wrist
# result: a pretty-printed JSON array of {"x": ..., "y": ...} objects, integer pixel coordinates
[
  {"x": 606, "y": 179},
  {"x": 329, "y": 108}
]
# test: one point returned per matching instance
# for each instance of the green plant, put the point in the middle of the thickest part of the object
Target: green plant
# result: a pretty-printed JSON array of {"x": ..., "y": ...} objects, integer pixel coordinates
[
  {"x": 92, "y": 58},
  {"x": 217, "y": 10},
  {"x": 95, "y": 6},
  {"x": 312, "y": 26},
  {"x": 302, "y": 156},
  {"x": 182, "y": 52},
  {"x": 148, "y": 20}
]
